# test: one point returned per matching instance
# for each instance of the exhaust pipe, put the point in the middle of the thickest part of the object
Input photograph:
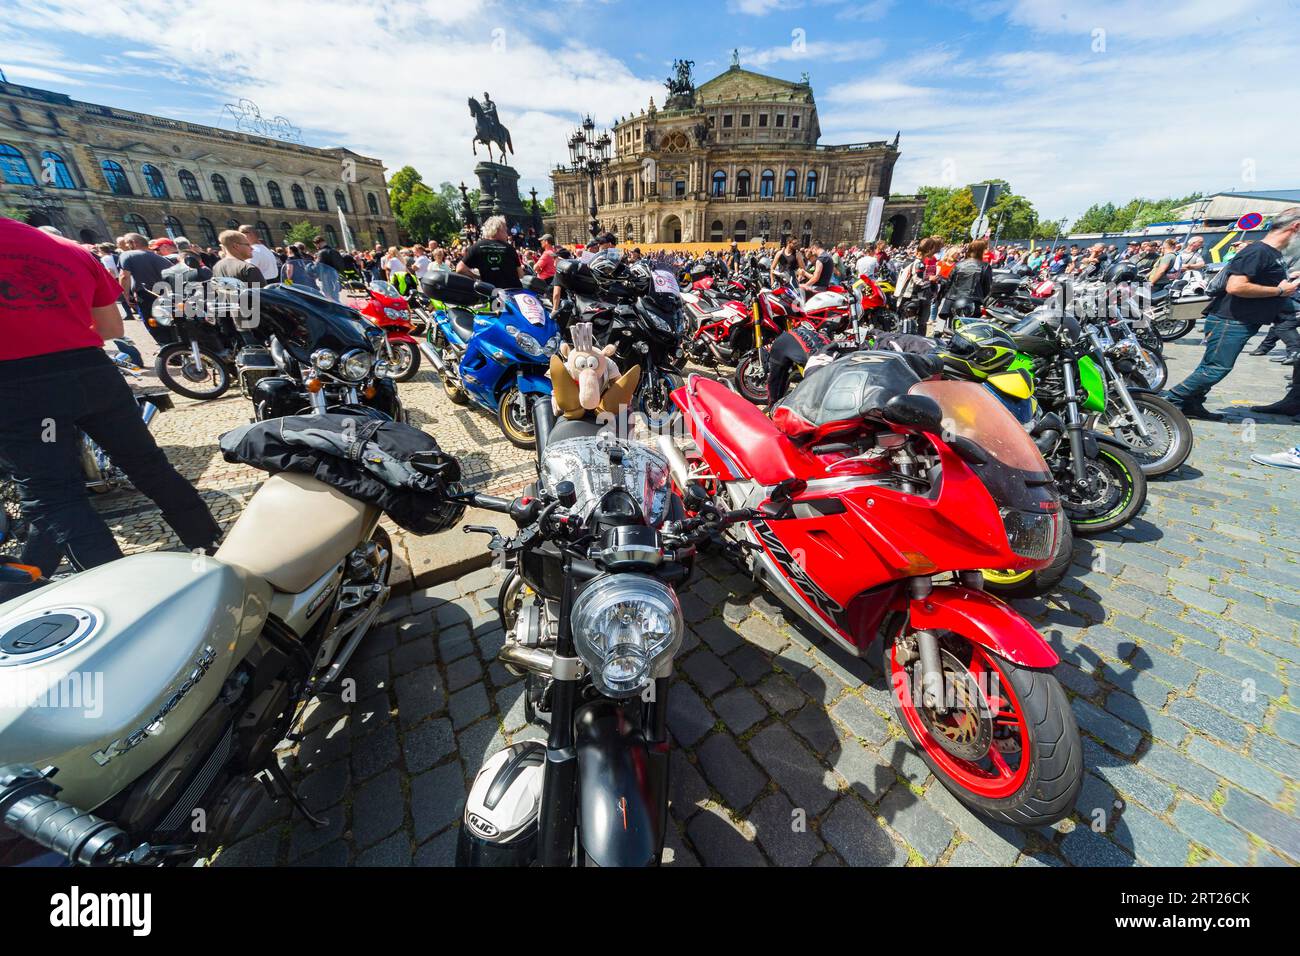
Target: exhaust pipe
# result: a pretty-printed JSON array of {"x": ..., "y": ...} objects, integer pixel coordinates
[
  {"x": 676, "y": 461},
  {"x": 526, "y": 658},
  {"x": 432, "y": 355}
]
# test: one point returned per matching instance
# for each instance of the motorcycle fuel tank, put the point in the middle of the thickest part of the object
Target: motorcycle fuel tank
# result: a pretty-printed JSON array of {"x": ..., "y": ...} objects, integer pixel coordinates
[{"x": 103, "y": 672}]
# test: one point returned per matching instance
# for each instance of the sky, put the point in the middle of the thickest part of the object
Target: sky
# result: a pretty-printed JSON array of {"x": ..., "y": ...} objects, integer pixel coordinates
[{"x": 1072, "y": 102}]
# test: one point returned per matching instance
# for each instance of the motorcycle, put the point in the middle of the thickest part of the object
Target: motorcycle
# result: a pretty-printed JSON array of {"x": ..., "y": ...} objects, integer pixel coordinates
[
  {"x": 591, "y": 617},
  {"x": 200, "y": 364},
  {"x": 192, "y": 680},
  {"x": 319, "y": 355},
  {"x": 388, "y": 309},
  {"x": 496, "y": 359},
  {"x": 865, "y": 485}
]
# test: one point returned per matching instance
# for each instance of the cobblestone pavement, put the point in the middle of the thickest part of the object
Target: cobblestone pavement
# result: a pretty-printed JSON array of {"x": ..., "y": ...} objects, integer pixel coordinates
[{"x": 1179, "y": 638}]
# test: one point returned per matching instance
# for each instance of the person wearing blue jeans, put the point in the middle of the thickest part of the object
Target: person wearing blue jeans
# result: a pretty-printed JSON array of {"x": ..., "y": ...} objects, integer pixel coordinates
[{"x": 1256, "y": 289}]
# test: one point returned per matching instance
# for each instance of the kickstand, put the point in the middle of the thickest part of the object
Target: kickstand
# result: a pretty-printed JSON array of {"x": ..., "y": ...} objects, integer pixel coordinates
[{"x": 276, "y": 773}]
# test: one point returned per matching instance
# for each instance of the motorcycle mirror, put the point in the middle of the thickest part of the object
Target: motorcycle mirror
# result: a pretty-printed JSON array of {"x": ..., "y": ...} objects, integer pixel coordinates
[
  {"x": 913, "y": 411},
  {"x": 696, "y": 496}
]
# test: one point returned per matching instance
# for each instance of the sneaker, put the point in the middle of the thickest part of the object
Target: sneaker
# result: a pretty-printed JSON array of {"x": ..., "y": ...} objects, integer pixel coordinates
[{"x": 1283, "y": 459}]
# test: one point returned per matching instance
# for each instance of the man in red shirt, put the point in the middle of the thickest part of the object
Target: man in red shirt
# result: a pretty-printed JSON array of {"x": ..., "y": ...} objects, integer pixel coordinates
[
  {"x": 545, "y": 267},
  {"x": 58, "y": 305}
]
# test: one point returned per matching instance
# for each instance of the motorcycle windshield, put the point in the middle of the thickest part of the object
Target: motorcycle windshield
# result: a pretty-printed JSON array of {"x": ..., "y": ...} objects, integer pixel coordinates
[
  {"x": 381, "y": 287},
  {"x": 1015, "y": 474}
]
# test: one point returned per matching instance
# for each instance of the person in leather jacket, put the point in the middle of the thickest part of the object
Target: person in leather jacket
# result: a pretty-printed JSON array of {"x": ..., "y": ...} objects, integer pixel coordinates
[{"x": 970, "y": 279}]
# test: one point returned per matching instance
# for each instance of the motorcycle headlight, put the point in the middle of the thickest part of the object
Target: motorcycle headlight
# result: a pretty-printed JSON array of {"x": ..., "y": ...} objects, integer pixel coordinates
[
  {"x": 528, "y": 344},
  {"x": 324, "y": 359},
  {"x": 1032, "y": 535},
  {"x": 355, "y": 365},
  {"x": 397, "y": 315},
  {"x": 626, "y": 629},
  {"x": 553, "y": 344}
]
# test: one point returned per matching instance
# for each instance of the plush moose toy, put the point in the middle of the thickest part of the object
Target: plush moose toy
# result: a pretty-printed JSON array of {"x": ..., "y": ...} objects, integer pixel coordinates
[{"x": 585, "y": 379}]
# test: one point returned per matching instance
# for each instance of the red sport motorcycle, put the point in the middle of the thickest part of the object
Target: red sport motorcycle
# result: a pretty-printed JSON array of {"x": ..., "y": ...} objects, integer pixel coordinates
[
  {"x": 870, "y": 484},
  {"x": 389, "y": 310}
]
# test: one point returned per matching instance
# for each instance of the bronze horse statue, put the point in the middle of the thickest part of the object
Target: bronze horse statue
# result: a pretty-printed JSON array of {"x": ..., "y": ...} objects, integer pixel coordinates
[{"x": 488, "y": 129}]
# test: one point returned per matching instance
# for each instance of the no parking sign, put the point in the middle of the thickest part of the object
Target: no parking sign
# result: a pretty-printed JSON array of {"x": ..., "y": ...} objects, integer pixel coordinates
[{"x": 1249, "y": 221}]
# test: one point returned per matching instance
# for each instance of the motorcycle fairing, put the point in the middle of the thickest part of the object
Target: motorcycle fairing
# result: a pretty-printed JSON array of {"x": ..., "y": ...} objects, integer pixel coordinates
[
  {"x": 736, "y": 439},
  {"x": 531, "y": 383},
  {"x": 622, "y": 805},
  {"x": 982, "y": 618}
]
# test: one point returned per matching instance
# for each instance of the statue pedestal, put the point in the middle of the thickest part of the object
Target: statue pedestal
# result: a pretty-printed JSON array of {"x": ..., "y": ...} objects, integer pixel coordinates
[{"x": 499, "y": 186}]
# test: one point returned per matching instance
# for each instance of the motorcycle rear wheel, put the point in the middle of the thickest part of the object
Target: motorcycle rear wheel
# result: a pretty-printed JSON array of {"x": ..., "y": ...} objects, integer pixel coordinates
[
  {"x": 1169, "y": 328},
  {"x": 751, "y": 376},
  {"x": 175, "y": 369},
  {"x": 1012, "y": 715}
]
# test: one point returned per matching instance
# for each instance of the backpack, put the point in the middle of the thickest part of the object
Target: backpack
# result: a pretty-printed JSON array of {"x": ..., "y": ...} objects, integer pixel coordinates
[{"x": 1217, "y": 290}]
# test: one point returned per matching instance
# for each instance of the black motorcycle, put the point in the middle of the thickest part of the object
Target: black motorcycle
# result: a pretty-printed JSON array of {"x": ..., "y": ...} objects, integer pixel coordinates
[
  {"x": 639, "y": 311},
  {"x": 317, "y": 355},
  {"x": 592, "y": 619}
]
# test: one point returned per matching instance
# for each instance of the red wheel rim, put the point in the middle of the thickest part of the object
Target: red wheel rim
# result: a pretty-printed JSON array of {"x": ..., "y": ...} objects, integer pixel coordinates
[{"x": 993, "y": 778}]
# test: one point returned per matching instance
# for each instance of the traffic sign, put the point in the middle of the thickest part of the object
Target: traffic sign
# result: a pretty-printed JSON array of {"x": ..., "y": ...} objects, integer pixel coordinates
[
  {"x": 1249, "y": 221},
  {"x": 980, "y": 227}
]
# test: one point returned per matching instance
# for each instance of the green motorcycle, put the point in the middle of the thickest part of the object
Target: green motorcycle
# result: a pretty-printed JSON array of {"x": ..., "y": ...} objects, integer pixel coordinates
[{"x": 1050, "y": 382}]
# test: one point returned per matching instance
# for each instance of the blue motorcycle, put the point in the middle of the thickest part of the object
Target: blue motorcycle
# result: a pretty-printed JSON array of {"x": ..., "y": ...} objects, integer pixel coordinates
[{"x": 492, "y": 347}]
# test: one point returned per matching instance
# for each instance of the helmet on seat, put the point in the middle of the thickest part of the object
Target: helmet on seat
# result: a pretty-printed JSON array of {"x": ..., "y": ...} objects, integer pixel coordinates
[
  {"x": 979, "y": 349},
  {"x": 849, "y": 391}
]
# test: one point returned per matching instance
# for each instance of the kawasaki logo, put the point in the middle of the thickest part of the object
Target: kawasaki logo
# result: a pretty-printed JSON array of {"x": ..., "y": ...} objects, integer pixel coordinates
[{"x": 121, "y": 745}]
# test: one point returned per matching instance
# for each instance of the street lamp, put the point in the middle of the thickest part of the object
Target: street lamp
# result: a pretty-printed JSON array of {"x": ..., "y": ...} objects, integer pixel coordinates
[{"x": 589, "y": 153}]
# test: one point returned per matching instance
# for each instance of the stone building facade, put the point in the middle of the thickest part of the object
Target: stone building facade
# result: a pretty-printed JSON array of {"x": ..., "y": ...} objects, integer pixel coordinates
[
  {"x": 95, "y": 172},
  {"x": 736, "y": 158}
]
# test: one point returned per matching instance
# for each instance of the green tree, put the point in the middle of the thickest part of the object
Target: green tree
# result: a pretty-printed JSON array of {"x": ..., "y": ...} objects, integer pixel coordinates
[
  {"x": 303, "y": 232},
  {"x": 547, "y": 206},
  {"x": 954, "y": 215},
  {"x": 13, "y": 212},
  {"x": 1013, "y": 217},
  {"x": 935, "y": 197}
]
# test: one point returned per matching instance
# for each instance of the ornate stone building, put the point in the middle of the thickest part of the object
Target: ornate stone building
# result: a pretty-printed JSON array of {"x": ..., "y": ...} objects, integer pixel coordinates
[
  {"x": 736, "y": 158},
  {"x": 96, "y": 172}
]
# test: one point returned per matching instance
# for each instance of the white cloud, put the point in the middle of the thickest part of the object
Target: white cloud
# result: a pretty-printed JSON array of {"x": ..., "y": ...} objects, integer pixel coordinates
[
  {"x": 813, "y": 51},
  {"x": 757, "y": 8},
  {"x": 1142, "y": 19}
]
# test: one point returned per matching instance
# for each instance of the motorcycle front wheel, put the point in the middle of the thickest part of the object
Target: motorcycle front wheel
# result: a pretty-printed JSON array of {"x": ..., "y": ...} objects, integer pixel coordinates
[
  {"x": 406, "y": 361},
  {"x": 1170, "y": 434},
  {"x": 654, "y": 401},
  {"x": 176, "y": 368},
  {"x": 1152, "y": 370},
  {"x": 1013, "y": 584},
  {"x": 516, "y": 423},
  {"x": 1007, "y": 746},
  {"x": 1116, "y": 492},
  {"x": 751, "y": 376}
]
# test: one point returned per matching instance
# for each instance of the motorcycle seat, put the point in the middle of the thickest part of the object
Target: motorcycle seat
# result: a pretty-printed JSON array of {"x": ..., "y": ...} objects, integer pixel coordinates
[
  {"x": 746, "y": 440},
  {"x": 462, "y": 320},
  {"x": 295, "y": 529}
]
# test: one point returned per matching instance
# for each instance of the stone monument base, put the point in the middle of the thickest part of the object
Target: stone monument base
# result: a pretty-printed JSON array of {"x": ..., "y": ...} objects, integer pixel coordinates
[{"x": 499, "y": 195}]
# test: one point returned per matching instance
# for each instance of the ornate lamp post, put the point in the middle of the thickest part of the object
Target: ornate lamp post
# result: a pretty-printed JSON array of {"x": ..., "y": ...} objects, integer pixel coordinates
[
  {"x": 467, "y": 214},
  {"x": 589, "y": 153}
]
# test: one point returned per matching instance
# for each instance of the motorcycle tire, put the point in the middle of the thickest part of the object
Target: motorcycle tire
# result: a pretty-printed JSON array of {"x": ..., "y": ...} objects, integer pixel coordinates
[
  {"x": 186, "y": 383},
  {"x": 1169, "y": 329},
  {"x": 518, "y": 432},
  {"x": 1156, "y": 372},
  {"x": 1035, "y": 720},
  {"x": 1172, "y": 435},
  {"x": 654, "y": 401},
  {"x": 1123, "y": 494},
  {"x": 406, "y": 357},
  {"x": 1015, "y": 584},
  {"x": 749, "y": 370}
]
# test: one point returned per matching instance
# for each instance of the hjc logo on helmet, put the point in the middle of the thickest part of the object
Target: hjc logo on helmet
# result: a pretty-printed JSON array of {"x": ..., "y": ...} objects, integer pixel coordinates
[{"x": 482, "y": 826}]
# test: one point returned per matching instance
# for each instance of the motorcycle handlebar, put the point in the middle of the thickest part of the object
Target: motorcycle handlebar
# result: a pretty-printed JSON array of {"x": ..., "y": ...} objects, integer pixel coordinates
[{"x": 29, "y": 808}]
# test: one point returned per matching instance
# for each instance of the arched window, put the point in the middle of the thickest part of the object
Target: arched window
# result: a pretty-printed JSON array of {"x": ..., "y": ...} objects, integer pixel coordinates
[
  {"x": 791, "y": 182},
  {"x": 807, "y": 233},
  {"x": 172, "y": 226},
  {"x": 208, "y": 233},
  {"x": 154, "y": 182},
  {"x": 810, "y": 190},
  {"x": 250, "y": 191},
  {"x": 189, "y": 185},
  {"x": 719, "y": 183},
  {"x": 284, "y": 230},
  {"x": 321, "y": 204},
  {"x": 380, "y": 236},
  {"x": 331, "y": 234},
  {"x": 273, "y": 190},
  {"x": 340, "y": 200},
  {"x": 787, "y": 228},
  {"x": 264, "y": 232},
  {"x": 55, "y": 172},
  {"x": 629, "y": 190},
  {"x": 716, "y": 231},
  {"x": 219, "y": 188},
  {"x": 742, "y": 183},
  {"x": 299, "y": 197},
  {"x": 232, "y": 223},
  {"x": 373, "y": 203},
  {"x": 741, "y": 232},
  {"x": 136, "y": 223},
  {"x": 115, "y": 176},
  {"x": 14, "y": 169},
  {"x": 767, "y": 184}
]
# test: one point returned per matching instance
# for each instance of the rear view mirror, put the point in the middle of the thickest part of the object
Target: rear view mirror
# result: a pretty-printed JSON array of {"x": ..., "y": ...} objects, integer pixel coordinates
[{"x": 913, "y": 411}]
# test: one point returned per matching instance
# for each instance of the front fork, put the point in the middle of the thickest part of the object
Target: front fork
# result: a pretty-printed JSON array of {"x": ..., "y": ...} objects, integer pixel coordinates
[
  {"x": 1074, "y": 425},
  {"x": 1121, "y": 389},
  {"x": 557, "y": 817}
]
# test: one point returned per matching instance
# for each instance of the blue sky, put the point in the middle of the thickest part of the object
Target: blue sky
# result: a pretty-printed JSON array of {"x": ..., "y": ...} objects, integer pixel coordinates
[{"x": 1072, "y": 101}]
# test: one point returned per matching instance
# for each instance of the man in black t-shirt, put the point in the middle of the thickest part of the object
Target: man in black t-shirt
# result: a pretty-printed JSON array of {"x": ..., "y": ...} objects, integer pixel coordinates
[
  {"x": 493, "y": 259},
  {"x": 1256, "y": 289},
  {"x": 821, "y": 270}
]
